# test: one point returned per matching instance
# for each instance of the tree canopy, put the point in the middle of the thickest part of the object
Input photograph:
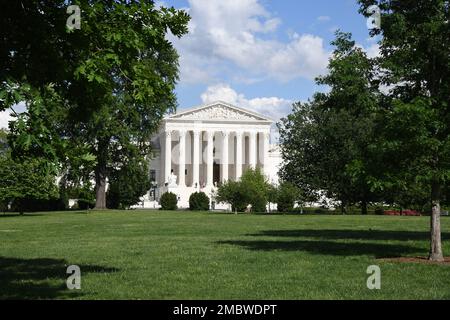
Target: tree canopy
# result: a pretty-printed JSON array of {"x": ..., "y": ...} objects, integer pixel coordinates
[
  {"x": 325, "y": 142},
  {"x": 94, "y": 95},
  {"x": 382, "y": 131},
  {"x": 415, "y": 64},
  {"x": 252, "y": 189}
]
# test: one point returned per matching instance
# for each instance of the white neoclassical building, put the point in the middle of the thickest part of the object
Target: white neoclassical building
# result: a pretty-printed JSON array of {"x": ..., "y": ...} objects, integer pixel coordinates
[{"x": 199, "y": 148}]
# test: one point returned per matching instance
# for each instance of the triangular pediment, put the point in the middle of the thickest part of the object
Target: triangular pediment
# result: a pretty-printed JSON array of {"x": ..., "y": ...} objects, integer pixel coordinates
[{"x": 220, "y": 111}]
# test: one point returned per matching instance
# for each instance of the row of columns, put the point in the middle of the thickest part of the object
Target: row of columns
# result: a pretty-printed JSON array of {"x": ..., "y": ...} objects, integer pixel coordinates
[{"x": 210, "y": 155}]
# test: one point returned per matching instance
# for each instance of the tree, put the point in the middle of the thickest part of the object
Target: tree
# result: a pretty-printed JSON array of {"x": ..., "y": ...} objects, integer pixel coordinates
[
  {"x": 415, "y": 64},
  {"x": 325, "y": 142},
  {"x": 3, "y": 141},
  {"x": 272, "y": 196},
  {"x": 287, "y": 196},
  {"x": 111, "y": 82},
  {"x": 252, "y": 189},
  {"x": 232, "y": 192},
  {"x": 128, "y": 184},
  {"x": 29, "y": 179},
  {"x": 257, "y": 186},
  {"x": 128, "y": 71}
]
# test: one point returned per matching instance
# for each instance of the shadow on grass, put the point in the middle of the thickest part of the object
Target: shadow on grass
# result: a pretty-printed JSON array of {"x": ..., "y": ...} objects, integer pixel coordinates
[
  {"x": 41, "y": 278},
  {"x": 43, "y": 213},
  {"x": 351, "y": 234},
  {"x": 378, "y": 250},
  {"x": 14, "y": 214}
]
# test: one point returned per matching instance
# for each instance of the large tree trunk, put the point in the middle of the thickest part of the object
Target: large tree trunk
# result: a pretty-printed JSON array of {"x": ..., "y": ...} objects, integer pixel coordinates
[
  {"x": 100, "y": 189},
  {"x": 100, "y": 176},
  {"x": 436, "y": 246}
]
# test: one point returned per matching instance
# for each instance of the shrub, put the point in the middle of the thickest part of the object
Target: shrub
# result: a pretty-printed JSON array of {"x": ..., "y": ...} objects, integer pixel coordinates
[
  {"x": 299, "y": 210},
  {"x": 287, "y": 195},
  {"x": 410, "y": 213},
  {"x": 259, "y": 203},
  {"x": 3, "y": 206},
  {"x": 129, "y": 184},
  {"x": 199, "y": 201},
  {"x": 320, "y": 211},
  {"x": 426, "y": 209},
  {"x": 29, "y": 183},
  {"x": 232, "y": 192},
  {"x": 391, "y": 212},
  {"x": 252, "y": 189},
  {"x": 112, "y": 198},
  {"x": 59, "y": 204},
  {"x": 169, "y": 201},
  {"x": 255, "y": 184},
  {"x": 35, "y": 205},
  {"x": 84, "y": 205},
  {"x": 379, "y": 211},
  {"x": 86, "y": 199}
]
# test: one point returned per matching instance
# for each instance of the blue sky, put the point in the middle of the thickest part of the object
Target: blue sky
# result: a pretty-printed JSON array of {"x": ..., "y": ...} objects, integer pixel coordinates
[
  {"x": 261, "y": 54},
  {"x": 258, "y": 54}
]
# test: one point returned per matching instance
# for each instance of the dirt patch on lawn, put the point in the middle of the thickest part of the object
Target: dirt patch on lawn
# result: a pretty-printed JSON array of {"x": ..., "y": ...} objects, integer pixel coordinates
[{"x": 423, "y": 260}]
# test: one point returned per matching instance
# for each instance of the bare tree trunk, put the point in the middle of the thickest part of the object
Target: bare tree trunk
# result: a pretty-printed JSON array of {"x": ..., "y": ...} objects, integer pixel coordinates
[
  {"x": 100, "y": 190},
  {"x": 100, "y": 175},
  {"x": 436, "y": 245}
]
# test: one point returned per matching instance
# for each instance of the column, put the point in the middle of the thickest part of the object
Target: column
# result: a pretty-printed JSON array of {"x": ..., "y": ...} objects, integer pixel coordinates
[
  {"x": 238, "y": 164},
  {"x": 252, "y": 150},
  {"x": 168, "y": 156},
  {"x": 225, "y": 135},
  {"x": 182, "y": 159},
  {"x": 195, "y": 160},
  {"x": 266, "y": 136},
  {"x": 210, "y": 158}
]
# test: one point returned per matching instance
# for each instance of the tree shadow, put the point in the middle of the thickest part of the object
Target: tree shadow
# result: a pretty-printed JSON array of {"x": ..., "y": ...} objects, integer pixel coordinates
[
  {"x": 18, "y": 215},
  {"x": 350, "y": 234},
  {"x": 378, "y": 250},
  {"x": 36, "y": 278}
]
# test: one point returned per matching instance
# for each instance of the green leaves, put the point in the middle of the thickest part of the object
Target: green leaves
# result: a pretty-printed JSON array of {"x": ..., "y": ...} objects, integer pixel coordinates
[
  {"x": 28, "y": 178},
  {"x": 95, "y": 95},
  {"x": 252, "y": 189},
  {"x": 12, "y": 93},
  {"x": 88, "y": 157},
  {"x": 129, "y": 183},
  {"x": 416, "y": 58},
  {"x": 325, "y": 141}
]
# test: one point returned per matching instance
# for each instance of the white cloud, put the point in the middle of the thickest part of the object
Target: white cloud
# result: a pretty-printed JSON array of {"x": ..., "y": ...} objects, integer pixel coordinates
[
  {"x": 303, "y": 57},
  {"x": 5, "y": 116},
  {"x": 272, "y": 107},
  {"x": 323, "y": 18},
  {"x": 239, "y": 33},
  {"x": 373, "y": 50}
]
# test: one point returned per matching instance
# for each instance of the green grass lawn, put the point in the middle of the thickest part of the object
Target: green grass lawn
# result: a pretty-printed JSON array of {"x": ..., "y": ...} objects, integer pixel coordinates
[{"x": 185, "y": 255}]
